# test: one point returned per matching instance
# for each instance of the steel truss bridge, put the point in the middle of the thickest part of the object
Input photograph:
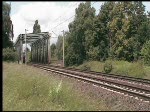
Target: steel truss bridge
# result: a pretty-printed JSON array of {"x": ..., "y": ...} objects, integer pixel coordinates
[{"x": 40, "y": 46}]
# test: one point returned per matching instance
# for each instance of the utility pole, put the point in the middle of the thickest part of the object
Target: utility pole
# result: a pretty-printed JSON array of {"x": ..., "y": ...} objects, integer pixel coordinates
[
  {"x": 63, "y": 51},
  {"x": 25, "y": 46}
]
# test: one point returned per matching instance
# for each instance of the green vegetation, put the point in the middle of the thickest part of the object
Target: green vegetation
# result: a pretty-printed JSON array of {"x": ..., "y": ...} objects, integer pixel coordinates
[
  {"x": 108, "y": 66},
  {"x": 26, "y": 88},
  {"x": 10, "y": 55},
  {"x": 53, "y": 48},
  {"x": 119, "y": 31},
  {"x": 136, "y": 69},
  {"x": 86, "y": 67},
  {"x": 36, "y": 27},
  {"x": 146, "y": 52},
  {"x": 7, "y": 26}
]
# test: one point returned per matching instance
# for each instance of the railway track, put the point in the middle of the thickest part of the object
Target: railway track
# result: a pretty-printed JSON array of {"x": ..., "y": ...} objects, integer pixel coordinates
[
  {"x": 131, "y": 79},
  {"x": 140, "y": 89}
]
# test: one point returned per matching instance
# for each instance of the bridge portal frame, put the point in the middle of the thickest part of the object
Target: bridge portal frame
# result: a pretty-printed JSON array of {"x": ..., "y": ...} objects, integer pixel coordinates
[{"x": 40, "y": 47}]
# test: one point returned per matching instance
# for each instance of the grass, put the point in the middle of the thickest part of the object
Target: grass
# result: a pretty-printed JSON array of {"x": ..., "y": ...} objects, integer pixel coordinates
[
  {"x": 136, "y": 69},
  {"x": 29, "y": 89}
]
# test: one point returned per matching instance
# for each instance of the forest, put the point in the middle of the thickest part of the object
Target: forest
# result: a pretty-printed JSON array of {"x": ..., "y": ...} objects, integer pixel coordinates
[{"x": 120, "y": 31}]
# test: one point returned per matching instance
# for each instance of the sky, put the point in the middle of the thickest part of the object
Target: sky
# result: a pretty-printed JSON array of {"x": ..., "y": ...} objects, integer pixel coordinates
[{"x": 49, "y": 15}]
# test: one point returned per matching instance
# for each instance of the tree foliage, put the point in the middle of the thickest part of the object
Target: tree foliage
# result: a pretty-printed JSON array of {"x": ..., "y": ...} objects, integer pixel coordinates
[
  {"x": 146, "y": 52},
  {"x": 59, "y": 48},
  {"x": 7, "y": 26},
  {"x": 10, "y": 54},
  {"x": 36, "y": 27},
  {"x": 53, "y": 48},
  {"x": 118, "y": 31},
  {"x": 80, "y": 34}
]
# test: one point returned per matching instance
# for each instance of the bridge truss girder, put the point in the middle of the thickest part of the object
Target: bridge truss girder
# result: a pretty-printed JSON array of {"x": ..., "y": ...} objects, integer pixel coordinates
[{"x": 40, "y": 46}]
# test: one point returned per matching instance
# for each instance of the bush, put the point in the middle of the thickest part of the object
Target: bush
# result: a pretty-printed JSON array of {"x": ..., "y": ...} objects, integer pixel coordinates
[
  {"x": 29, "y": 56},
  {"x": 121, "y": 67},
  {"x": 108, "y": 66},
  {"x": 10, "y": 55},
  {"x": 137, "y": 70},
  {"x": 86, "y": 67},
  {"x": 146, "y": 52}
]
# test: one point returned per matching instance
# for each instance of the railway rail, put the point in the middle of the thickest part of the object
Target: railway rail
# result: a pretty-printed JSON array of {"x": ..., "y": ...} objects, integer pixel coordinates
[
  {"x": 143, "y": 81},
  {"x": 139, "y": 88}
]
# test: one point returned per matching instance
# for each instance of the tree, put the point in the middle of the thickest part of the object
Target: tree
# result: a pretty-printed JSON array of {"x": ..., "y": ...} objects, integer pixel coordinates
[
  {"x": 53, "y": 48},
  {"x": 146, "y": 52},
  {"x": 7, "y": 26},
  {"x": 36, "y": 27},
  {"x": 118, "y": 31},
  {"x": 102, "y": 35},
  {"x": 59, "y": 49},
  {"x": 81, "y": 31},
  {"x": 129, "y": 29}
]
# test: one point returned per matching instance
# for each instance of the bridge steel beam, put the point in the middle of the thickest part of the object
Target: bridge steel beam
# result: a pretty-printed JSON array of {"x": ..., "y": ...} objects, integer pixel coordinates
[
  {"x": 43, "y": 52},
  {"x": 40, "y": 50},
  {"x": 32, "y": 52},
  {"x": 46, "y": 50},
  {"x": 36, "y": 52},
  {"x": 21, "y": 51},
  {"x": 49, "y": 53}
]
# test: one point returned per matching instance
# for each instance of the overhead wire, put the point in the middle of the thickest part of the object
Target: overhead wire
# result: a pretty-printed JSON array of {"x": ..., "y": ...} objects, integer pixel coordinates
[
  {"x": 72, "y": 5},
  {"x": 69, "y": 18},
  {"x": 64, "y": 12}
]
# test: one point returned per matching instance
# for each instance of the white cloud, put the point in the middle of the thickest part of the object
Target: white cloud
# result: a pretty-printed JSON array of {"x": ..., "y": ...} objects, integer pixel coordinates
[{"x": 46, "y": 13}]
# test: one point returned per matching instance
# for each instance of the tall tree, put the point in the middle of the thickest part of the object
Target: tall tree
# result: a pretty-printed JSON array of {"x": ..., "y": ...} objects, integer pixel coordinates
[
  {"x": 119, "y": 30},
  {"x": 81, "y": 31},
  {"x": 128, "y": 29},
  {"x": 59, "y": 48},
  {"x": 53, "y": 48},
  {"x": 7, "y": 26},
  {"x": 101, "y": 32},
  {"x": 36, "y": 27}
]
